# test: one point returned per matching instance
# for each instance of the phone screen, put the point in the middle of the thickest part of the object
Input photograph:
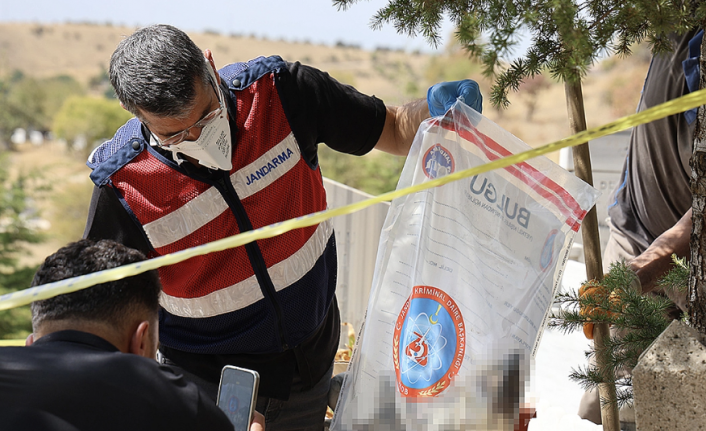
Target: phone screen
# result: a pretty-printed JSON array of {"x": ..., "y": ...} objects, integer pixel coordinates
[{"x": 236, "y": 396}]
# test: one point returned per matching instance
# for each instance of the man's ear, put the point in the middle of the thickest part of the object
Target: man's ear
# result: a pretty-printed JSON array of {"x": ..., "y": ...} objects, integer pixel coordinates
[
  {"x": 209, "y": 58},
  {"x": 30, "y": 340},
  {"x": 140, "y": 344}
]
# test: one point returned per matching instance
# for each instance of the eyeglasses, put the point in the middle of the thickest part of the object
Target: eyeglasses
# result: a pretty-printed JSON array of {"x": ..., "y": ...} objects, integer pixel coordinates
[{"x": 203, "y": 122}]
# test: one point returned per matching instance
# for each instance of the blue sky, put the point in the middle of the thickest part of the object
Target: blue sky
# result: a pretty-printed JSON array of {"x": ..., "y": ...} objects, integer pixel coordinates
[{"x": 317, "y": 21}]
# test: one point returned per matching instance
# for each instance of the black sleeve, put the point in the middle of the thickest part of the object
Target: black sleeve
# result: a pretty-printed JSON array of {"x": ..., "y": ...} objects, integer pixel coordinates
[
  {"x": 322, "y": 110},
  {"x": 209, "y": 417},
  {"x": 189, "y": 406},
  {"x": 108, "y": 219}
]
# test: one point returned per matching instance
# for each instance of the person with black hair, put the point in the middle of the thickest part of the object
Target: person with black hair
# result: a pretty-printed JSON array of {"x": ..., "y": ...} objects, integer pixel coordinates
[
  {"x": 91, "y": 362},
  {"x": 212, "y": 153}
]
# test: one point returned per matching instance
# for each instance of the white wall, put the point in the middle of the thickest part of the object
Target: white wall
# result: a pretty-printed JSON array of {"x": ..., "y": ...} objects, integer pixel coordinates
[{"x": 357, "y": 238}]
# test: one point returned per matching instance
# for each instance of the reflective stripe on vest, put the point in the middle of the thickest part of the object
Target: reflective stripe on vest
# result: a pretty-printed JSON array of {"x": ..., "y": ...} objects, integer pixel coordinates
[
  {"x": 247, "y": 292},
  {"x": 184, "y": 212},
  {"x": 209, "y": 205}
]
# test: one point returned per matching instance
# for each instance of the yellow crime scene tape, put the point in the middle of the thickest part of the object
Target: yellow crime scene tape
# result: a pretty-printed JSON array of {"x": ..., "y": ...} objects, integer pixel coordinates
[
  {"x": 6, "y": 343},
  {"x": 23, "y": 297}
]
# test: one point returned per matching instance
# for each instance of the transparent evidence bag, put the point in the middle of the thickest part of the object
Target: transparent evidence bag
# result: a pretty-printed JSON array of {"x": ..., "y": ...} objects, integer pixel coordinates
[{"x": 464, "y": 280}]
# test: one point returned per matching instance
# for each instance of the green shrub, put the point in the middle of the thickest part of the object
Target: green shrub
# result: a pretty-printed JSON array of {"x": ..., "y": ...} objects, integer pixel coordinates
[
  {"x": 637, "y": 321},
  {"x": 91, "y": 118},
  {"x": 374, "y": 173},
  {"x": 31, "y": 103},
  {"x": 15, "y": 233}
]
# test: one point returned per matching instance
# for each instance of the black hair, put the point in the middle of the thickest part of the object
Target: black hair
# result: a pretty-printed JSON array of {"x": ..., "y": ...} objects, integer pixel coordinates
[
  {"x": 109, "y": 302},
  {"x": 155, "y": 70}
]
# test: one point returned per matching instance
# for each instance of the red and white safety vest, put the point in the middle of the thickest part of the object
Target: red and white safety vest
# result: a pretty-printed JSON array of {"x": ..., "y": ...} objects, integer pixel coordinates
[{"x": 261, "y": 298}]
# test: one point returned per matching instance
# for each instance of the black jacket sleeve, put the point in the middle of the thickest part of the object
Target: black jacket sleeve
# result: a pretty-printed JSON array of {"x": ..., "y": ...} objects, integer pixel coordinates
[
  {"x": 108, "y": 219},
  {"x": 322, "y": 110}
]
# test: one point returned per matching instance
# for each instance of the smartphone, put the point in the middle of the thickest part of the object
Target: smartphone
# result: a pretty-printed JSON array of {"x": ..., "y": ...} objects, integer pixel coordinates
[{"x": 237, "y": 394}]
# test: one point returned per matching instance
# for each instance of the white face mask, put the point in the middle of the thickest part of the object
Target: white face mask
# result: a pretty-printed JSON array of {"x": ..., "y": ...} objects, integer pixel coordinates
[{"x": 213, "y": 148}]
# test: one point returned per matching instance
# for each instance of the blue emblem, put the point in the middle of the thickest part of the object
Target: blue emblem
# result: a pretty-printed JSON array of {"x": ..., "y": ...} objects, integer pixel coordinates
[
  {"x": 438, "y": 162},
  {"x": 429, "y": 343},
  {"x": 233, "y": 404},
  {"x": 547, "y": 256},
  {"x": 425, "y": 352}
]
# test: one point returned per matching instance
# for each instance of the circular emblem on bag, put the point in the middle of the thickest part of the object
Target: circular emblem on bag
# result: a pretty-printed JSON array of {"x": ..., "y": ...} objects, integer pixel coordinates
[
  {"x": 429, "y": 343},
  {"x": 547, "y": 256},
  {"x": 438, "y": 162}
]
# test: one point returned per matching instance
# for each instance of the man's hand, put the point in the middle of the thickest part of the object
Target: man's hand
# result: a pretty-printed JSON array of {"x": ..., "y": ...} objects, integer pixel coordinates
[
  {"x": 441, "y": 96},
  {"x": 656, "y": 261},
  {"x": 402, "y": 122}
]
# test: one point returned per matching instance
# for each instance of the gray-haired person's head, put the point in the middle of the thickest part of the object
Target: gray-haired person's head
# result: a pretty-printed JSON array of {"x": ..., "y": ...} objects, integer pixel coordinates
[{"x": 156, "y": 69}]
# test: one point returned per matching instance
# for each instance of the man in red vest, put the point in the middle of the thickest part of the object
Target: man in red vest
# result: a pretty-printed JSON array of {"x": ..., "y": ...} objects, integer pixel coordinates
[{"x": 213, "y": 153}]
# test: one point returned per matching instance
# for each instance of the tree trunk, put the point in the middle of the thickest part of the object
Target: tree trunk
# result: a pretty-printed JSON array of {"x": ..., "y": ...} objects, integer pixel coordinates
[
  {"x": 592, "y": 252},
  {"x": 696, "y": 303}
]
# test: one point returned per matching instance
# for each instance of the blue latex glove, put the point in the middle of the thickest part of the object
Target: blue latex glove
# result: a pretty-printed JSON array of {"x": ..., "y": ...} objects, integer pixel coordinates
[{"x": 441, "y": 96}]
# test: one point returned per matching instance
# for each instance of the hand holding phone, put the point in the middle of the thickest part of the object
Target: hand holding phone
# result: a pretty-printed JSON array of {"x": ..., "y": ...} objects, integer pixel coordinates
[{"x": 237, "y": 394}]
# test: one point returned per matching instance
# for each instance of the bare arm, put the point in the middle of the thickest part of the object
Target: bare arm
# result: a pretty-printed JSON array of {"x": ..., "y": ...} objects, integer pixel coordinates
[
  {"x": 656, "y": 261},
  {"x": 401, "y": 124}
]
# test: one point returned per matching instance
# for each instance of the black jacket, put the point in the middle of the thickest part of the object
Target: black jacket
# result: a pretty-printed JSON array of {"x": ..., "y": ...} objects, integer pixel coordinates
[{"x": 71, "y": 380}]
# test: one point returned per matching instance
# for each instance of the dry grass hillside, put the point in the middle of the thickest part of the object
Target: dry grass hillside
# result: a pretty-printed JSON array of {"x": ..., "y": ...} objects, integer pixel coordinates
[
  {"x": 537, "y": 114},
  {"x": 83, "y": 51}
]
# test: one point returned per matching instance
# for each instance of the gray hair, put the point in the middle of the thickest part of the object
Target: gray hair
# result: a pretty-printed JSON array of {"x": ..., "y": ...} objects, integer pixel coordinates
[{"x": 155, "y": 70}]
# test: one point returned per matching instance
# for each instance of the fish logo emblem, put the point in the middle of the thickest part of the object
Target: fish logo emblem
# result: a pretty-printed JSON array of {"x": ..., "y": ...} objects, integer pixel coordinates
[{"x": 418, "y": 350}]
